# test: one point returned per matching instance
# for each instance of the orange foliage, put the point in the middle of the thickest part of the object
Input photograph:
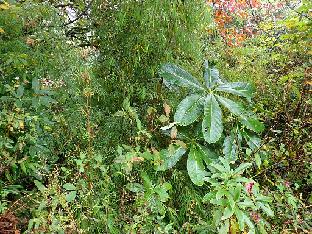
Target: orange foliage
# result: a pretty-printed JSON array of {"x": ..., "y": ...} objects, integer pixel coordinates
[{"x": 227, "y": 13}]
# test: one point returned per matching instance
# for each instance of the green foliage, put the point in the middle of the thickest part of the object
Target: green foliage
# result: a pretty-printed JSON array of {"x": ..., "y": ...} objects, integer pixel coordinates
[
  {"x": 236, "y": 204},
  {"x": 134, "y": 39},
  {"x": 207, "y": 100},
  {"x": 89, "y": 141},
  {"x": 204, "y": 101},
  {"x": 34, "y": 70}
]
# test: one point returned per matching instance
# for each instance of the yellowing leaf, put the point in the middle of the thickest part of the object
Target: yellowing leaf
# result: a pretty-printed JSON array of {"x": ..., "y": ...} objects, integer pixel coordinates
[
  {"x": 4, "y": 6},
  {"x": 167, "y": 109},
  {"x": 1, "y": 30}
]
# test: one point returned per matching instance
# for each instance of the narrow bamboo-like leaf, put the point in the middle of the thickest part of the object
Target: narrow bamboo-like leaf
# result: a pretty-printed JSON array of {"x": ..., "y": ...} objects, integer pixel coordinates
[
  {"x": 242, "y": 168},
  {"x": 225, "y": 163},
  {"x": 224, "y": 228},
  {"x": 246, "y": 204},
  {"x": 195, "y": 166},
  {"x": 188, "y": 110},
  {"x": 261, "y": 228},
  {"x": 240, "y": 218},
  {"x": 266, "y": 209},
  {"x": 219, "y": 167},
  {"x": 258, "y": 160},
  {"x": 212, "y": 126},
  {"x": 230, "y": 200},
  {"x": 40, "y": 186},
  {"x": 236, "y": 192},
  {"x": 174, "y": 75},
  {"x": 249, "y": 223},
  {"x": 238, "y": 88},
  {"x": 220, "y": 194}
]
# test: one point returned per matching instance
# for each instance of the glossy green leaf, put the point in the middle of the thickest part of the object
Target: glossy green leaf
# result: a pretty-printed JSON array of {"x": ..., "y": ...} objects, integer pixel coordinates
[
  {"x": 69, "y": 186},
  {"x": 227, "y": 213},
  {"x": 207, "y": 155},
  {"x": 266, "y": 209},
  {"x": 246, "y": 118},
  {"x": 174, "y": 76},
  {"x": 238, "y": 88},
  {"x": 208, "y": 197},
  {"x": 20, "y": 91},
  {"x": 135, "y": 187},
  {"x": 40, "y": 186},
  {"x": 252, "y": 123},
  {"x": 240, "y": 218},
  {"x": 212, "y": 126},
  {"x": 242, "y": 167},
  {"x": 71, "y": 196},
  {"x": 170, "y": 157},
  {"x": 188, "y": 110},
  {"x": 230, "y": 148},
  {"x": 234, "y": 107},
  {"x": 211, "y": 75},
  {"x": 195, "y": 166}
]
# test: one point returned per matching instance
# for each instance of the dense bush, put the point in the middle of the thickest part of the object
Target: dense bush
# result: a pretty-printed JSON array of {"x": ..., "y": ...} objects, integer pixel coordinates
[{"x": 112, "y": 122}]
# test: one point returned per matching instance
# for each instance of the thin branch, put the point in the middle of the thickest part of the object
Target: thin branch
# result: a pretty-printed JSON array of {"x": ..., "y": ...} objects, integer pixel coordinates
[{"x": 83, "y": 13}]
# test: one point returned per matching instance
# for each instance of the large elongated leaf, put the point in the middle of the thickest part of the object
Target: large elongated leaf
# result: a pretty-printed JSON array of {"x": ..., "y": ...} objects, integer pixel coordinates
[
  {"x": 212, "y": 126},
  {"x": 188, "y": 110},
  {"x": 266, "y": 208},
  {"x": 240, "y": 218},
  {"x": 238, "y": 88},
  {"x": 246, "y": 118},
  {"x": 174, "y": 75},
  {"x": 195, "y": 166},
  {"x": 253, "y": 141},
  {"x": 252, "y": 123},
  {"x": 234, "y": 107},
  {"x": 211, "y": 75},
  {"x": 227, "y": 213},
  {"x": 170, "y": 157},
  {"x": 230, "y": 148},
  {"x": 207, "y": 155},
  {"x": 242, "y": 167}
]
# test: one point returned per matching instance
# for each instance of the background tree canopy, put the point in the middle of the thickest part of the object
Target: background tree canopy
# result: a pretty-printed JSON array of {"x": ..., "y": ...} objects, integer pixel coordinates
[{"x": 155, "y": 116}]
